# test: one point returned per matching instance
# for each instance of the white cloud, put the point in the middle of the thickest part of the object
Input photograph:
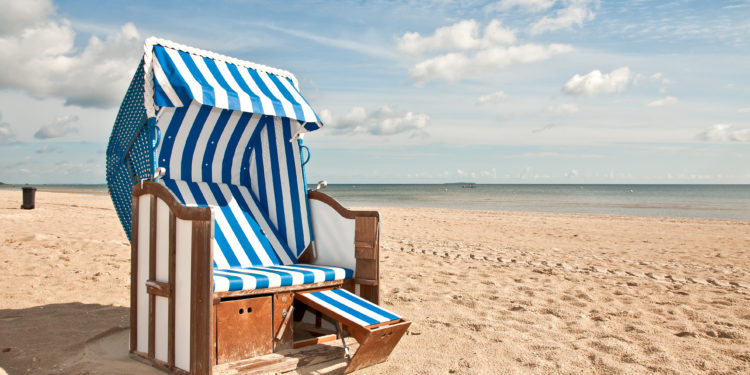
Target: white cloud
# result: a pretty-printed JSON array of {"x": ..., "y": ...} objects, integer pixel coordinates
[
  {"x": 463, "y": 35},
  {"x": 526, "y": 5},
  {"x": 724, "y": 133},
  {"x": 39, "y": 56},
  {"x": 595, "y": 82},
  {"x": 461, "y": 49},
  {"x": 565, "y": 108},
  {"x": 495, "y": 97},
  {"x": 574, "y": 13},
  {"x": 383, "y": 121},
  {"x": 744, "y": 110},
  {"x": 7, "y": 136},
  {"x": 662, "y": 102},
  {"x": 573, "y": 173},
  {"x": 62, "y": 126},
  {"x": 452, "y": 67}
]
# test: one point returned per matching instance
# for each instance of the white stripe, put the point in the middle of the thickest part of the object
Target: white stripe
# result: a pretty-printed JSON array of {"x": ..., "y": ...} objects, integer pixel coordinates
[
  {"x": 255, "y": 211},
  {"x": 194, "y": 86},
  {"x": 164, "y": 117},
  {"x": 246, "y": 104},
  {"x": 248, "y": 281},
  {"x": 253, "y": 173},
  {"x": 338, "y": 311},
  {"x": 338, "y": 272},
  {"x": 307, "y": 111},
  {"x": 166, "y": 86},
  {"x": 301, "y": 189},
  {"x": 175, "y": 161},
  {"x": 221, "y": 146},
  {"x": 286, "y": 196},
  {"x": 247, "y": 230},
  {"x": 237, "y": 166},
  {"x": 200, "y": 147},
  {"x": 361, "y": 309},
  {"x": 223, "y": 223},
  {"x": 287, "y": 105},
  {"x": 265, "y": 102},
  {"x": 298, "y": 278},
  {"x": 320, "y": 275},
  {"x": 274, "y": 279},
  {"x": 221, "y": 97},
  {"x": 268, "y": 174},
  {"x": 221, "y": 283}
]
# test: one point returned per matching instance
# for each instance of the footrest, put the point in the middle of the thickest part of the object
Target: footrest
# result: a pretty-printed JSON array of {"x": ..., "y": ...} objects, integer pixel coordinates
[{"x": 376, "y": 329}]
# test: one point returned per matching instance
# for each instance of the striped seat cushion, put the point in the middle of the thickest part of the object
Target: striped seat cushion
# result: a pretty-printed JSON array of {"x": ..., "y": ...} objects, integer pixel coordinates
[
  {"x": 248, "y": 278},
  {"x": 243, "y": 234},
  {"x": 351, "y": 307}
]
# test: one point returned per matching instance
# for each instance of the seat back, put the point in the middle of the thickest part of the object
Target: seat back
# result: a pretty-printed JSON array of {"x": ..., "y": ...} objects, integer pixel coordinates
[{"x": 243, "y": 234}]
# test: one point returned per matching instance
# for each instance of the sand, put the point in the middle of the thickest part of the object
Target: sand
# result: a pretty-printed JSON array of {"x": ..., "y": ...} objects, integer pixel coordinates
[{"x": 487, "y": 291}]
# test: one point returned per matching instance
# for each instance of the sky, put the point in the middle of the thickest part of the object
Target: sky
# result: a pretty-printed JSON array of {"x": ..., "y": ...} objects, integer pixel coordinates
[{"x": 509, "y": 91}]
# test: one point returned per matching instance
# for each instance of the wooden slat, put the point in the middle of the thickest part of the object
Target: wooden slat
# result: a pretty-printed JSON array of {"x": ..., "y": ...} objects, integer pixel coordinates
[
  {"x": 315, "y": 340},
  {"x": 134, "y": 277},
  {"x": 181, "y": 211},
  {"x": 152, "y": 276},
  {"x": 201, "y": 299},
  {"x": 172, "y": 281}
]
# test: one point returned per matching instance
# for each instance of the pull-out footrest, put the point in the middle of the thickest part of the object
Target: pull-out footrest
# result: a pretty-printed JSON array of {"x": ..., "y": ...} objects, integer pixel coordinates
[{"x": 376, "y": 329}]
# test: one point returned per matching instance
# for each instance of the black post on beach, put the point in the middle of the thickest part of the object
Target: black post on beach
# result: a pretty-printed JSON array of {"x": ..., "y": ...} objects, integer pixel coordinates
[{"x": 28, "y": 197}]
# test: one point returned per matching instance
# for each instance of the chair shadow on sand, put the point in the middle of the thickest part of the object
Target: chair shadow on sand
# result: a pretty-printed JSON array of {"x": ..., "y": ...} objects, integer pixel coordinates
[{"x": 78, "y": 338}]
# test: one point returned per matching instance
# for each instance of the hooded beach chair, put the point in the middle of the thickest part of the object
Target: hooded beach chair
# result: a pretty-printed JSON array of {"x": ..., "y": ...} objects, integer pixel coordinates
[{"x": 233, "y": 259}]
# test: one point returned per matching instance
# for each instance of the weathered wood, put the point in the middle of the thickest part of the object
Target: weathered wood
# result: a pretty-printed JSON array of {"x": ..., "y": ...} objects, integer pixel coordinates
[
  {"x": 288, "y": 360},
  {"x": 134, "y": 276},
  {"x": 155, "y": 363},
  {"x": 172, "y": 281},
  {"x": 282, "y": 329},
  {"x": 152, "y": 276},
  {"x": 244, "y": 329},
  {"x": 292, "y": 288},
  {"x": 377, "y": 346},
  {"x": 338, "y": 207},
  {"x": 368, "y": 257},
  {"x": 315, "y": 340},
  {"x": 201, "y": 299},
  {"x": 155, "y": 288},
  {"x": 181, "y": 211},
  {"x": 307, "y": 255}
]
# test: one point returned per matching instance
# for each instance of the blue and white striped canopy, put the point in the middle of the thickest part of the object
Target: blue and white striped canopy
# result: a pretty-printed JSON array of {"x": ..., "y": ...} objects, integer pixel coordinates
[
  {"x": 181, "y": 77},
  {"x": 210, "y": 118}
]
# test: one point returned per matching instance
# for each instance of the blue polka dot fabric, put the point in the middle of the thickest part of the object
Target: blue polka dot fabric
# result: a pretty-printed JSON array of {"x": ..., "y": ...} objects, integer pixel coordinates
[{"x": 130, "y": 153}]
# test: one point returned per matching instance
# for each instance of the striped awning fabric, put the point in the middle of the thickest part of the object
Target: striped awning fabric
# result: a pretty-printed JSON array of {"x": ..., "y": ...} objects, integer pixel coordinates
[
  {"x": 182, "y": 74},
  {"x": 350, "y": 306}
]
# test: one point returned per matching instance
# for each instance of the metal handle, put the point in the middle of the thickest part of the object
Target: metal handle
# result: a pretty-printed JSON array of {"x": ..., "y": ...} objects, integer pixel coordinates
[{"x": 322, "y": 183}]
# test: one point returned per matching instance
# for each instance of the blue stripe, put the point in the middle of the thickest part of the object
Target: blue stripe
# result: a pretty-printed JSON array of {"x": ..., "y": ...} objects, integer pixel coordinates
[
  {"x": 234, "y": 140},
  {"x": 161, "y": 98},
  {"x": 172, "y": 186},
  {"x": 262, "y": 236},
  {"x": 329, "y": 274},
  {"x": 254, "y": 99},
  {"x": 233, "y": 99},
  {"x": 224, "y": 247},
  {"x": 282, "y": 89},
  {"x": 188, "y": 153},
  {"x": 179, "y": 85},
  {"x": 209, "y": 97},
  {"x": 306, "y": 103},
  {"x": 261, "y": 280},
  {"x": 213, "y": 142},
  {"x": 286, "y": 277},
  {"x": 365, "y": 304},
  {"x": 307, "y": 276},
  {"x": 245, "y": 175},
  {"x": 262, "y": 194},
  {"x": 348, "y": 274},
  {"x": 262, "y": 85},
  {"x": 235, "y": 282},
  {"x": 276, "y": 179},
  {"x": 167, "y": 143},
  {"x": 233, "y": 222},
  {"x": 335, "y": 305},
  {"x": 291, "y": 171}
]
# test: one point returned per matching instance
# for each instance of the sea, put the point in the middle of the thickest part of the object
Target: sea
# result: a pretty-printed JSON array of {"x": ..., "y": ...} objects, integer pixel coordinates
[{"x": 723, "y": 202}]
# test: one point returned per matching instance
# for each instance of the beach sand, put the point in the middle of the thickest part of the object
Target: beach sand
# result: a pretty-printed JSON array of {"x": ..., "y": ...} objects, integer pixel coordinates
[{"x": 487, "y": 292}]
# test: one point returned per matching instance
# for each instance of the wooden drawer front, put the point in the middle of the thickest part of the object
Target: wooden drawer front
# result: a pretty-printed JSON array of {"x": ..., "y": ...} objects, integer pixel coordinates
[{"x": 243, "y": 329}]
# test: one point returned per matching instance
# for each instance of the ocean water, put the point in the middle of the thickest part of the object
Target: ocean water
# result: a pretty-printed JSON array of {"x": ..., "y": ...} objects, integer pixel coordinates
[{"x": 725, "y": 202}]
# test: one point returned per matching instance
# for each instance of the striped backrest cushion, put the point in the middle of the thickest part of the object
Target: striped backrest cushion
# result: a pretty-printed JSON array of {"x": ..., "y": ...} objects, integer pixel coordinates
[
  {"x": 243, "y": 235},
  {"x": 205, "y": 143}
]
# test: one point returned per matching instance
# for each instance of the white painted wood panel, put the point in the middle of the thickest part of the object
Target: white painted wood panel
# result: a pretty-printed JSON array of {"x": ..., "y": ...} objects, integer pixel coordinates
[
  {"x": 144, "y": 222},
  {"x": 183, "y": 245},
  {"x": 334, "y": 236}
]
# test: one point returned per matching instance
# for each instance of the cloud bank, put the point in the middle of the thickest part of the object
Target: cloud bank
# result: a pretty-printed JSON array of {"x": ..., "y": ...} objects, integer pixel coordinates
[
  {"x": 383, "y": 121},
  {"x": 724, "y": 133},
  {"x": 39, "y": 57},
  {"x": 62, "y": 126}
]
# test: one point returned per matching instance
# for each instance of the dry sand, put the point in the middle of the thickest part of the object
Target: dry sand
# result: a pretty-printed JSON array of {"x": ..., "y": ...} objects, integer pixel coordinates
[{"x": 487, "y": 292}]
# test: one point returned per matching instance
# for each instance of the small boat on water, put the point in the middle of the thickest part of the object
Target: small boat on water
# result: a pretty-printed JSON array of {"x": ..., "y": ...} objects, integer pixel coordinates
[{"x": 470, "y": 185}]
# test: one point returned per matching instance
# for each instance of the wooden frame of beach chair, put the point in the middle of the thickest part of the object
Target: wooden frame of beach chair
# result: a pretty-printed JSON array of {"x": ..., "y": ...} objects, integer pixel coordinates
[
  {"x": 175, "y": 313},
  {"x": 205, "y": 170}
]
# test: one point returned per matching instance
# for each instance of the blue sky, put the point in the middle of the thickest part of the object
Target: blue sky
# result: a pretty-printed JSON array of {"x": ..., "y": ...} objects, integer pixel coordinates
[{"x": 510, "y": 91}]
